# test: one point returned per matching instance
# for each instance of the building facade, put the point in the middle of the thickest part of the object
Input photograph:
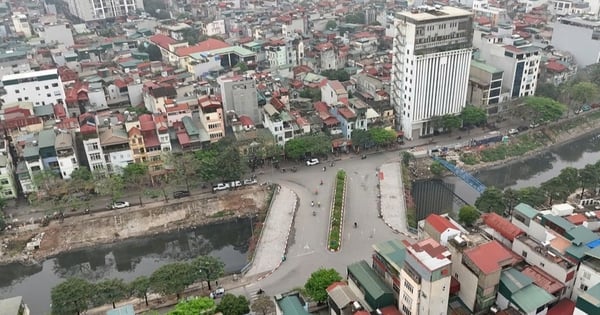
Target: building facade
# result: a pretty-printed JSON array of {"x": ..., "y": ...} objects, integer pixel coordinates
[
  {"x": 240, "y": 96},
  {"x": 38, "y": 87},
  {"x": 431, "y": 59},
  {"x": 90, "y": 10}
]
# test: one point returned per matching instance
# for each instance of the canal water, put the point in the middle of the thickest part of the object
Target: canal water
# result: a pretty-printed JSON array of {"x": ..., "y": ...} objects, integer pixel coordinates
[
  {"x": 447, "y": 193},
  {"x": 126, "y": 260}
]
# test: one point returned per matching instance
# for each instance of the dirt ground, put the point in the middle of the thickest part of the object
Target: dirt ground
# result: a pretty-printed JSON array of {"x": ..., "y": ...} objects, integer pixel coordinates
[{"x": 151, "y": 218}]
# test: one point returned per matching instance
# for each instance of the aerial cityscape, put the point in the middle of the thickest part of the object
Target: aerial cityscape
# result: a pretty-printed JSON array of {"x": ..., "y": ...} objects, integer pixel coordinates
[{"x": 289, "y": 157}]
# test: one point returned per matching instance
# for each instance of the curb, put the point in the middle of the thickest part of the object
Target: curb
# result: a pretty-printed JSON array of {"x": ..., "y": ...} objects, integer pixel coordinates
[
  {"x": 407, "y": 234},
  {"x": 331, "y": 210}
]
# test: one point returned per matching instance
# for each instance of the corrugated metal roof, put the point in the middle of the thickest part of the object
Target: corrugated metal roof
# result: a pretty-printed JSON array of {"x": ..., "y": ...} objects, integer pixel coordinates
[
  {"x": 368, "y": 279},
  {"x": 514, "y": 280},
  {"x": 531, "y": 298},
  {"x": 291, "y": 305},
  {"x": 526, "y": 210},
  {"x": 393, "y": 251}
]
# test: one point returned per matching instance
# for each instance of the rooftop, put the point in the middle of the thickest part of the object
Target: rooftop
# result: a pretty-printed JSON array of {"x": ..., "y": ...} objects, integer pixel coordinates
[
  {"x": 25, "y": 75},
  {"x": 291, "y": 305},
  {"x": 440, "y": 223},
  {"x": 489, "y": 257},
  {"x": 514, "y": 280},
  {"x": 501, "y": 225},
  {"x": 526, "y": 210},
  {"x": 430, "y": 253},
  {"x": 542, "y": 279},
  {"x": 393, "y": 251},
  {"x": 46, "y": 138},
  {"x": 484, "y": 66},
  {"x": 368, "y": 279},
  {"x": 530, "y": 298},
  {"x": 431, "y": 14}
]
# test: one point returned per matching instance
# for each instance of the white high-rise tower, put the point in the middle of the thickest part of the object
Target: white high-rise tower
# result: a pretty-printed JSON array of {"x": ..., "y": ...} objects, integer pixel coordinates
[{"x": 430, "y": 74}]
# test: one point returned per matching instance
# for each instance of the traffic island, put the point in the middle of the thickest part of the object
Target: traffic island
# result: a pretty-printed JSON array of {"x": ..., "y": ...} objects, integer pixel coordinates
[{"x": 336, "y": 215}]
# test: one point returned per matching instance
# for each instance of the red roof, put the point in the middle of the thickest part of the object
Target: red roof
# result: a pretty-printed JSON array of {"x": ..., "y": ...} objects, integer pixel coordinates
[
  {"x": 207, "y": 45},
  {"x": 489, "y": 257},
  {"x": 336, "y": 284},
  {"x": 151, "y": 139},
  {"x": 543, "y": 280},
  {"x": 555, "y": 66},
  {"x": 246, "y": 121},
  {"x": 502, "y": 226},
  {"x": 162, "y": 40},
  {"x": 59, "y": 111},
  {"x": 346, "y": 113},
  {"x": 577, "y": 218},
  {"x": 563, "y": 307},
  {"x": 440, "y": 223},
  {"x": 183, "y": 138},
  {"x": 321, "y": 107}
]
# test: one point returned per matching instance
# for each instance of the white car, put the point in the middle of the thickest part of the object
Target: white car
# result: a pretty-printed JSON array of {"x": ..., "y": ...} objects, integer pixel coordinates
[
  {"x": 120, "y": 204},
  {"x": 312, "y": 162},
  {"x": 513, "y": 131},
  {"x": 221, "y": 186},
  {"x": 250, "y": 181}
]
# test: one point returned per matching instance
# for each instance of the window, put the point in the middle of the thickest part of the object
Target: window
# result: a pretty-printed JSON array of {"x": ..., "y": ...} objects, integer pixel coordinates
[
  {"x": 524, "y": 254},
  {"x": 541, "y": 264},
  {"x": 4, "y": 181},
  {"x": 587, "y": 275},
  {"x": 48, "y": 95},
  {"x": 408, "y": 286},
  {"x": 54, "y": 84},
  {"x": 95, "y": 157},
  {"x": 17, "y": 91},
  {"x": 37, "y": 88},
  {"x": 583, "y": 287},
  {"x": 46, "y": 87},
  {"x": 92, "y": 146},
  {"x": 19, "y": 99},
  {"x": 405, "y": 310}
]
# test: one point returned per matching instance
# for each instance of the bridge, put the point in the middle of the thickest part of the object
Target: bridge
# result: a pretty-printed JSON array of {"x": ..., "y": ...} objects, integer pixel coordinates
[{"x": 462, "y": 174}]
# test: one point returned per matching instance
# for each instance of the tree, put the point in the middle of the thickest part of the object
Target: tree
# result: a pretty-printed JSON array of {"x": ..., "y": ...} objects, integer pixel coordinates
[
  {"x": 555, "y": 189},
  {"x": 340, "y": 75},
  {"x": 468, "y": 215},
  {"x": 221, "y": 161},
  {"x": 569, "y": 176},
  {"x": 314, "y": 144},
  {"x": 361, "y": 139},
  {"x": 407, "y": 157},
  {"x": 191, "y": 35},
  {"x": 583, "y": 92},
  {"x": 437, "y": 123},
  {"x": 2, "y": 204},
  {"x": 199, "y": 305},
  {"x": 472, "y": 115},
  {"x": 381, "y": 136},
  {"x": 533, "y": 196},
  {"x": 588, "y": 178},
  {"x": 183, "y": 167},
  {"x": 110, "y": 291},
  {"x": 594, "y": 73},
  {"x": 355, "y": 18},
  {"x": 72, "y": 296},
  {"x": 511, "y": 198},
  {"x": 136, "y": 177},
  {"x": 547, "y": 90},
  {"x": 152, "y": 50},
  {"x": 543, "y": 108},
  {"x": 234, "y": 305},
  {"x": 450, "y": 122},
  {"x": 242, "y": 65},
  {"x": 436, "y": 168},
  {"x": 172, "y": 278},
  {"x": 112, "y": 186},
  {"x": 313, "y": 93},
  {"x": 491, "y": 200},
  {"x": 331, "y": 25},
  {"x": 316, "y": 285},
  {"x": 2, "y": 221},
  {"x": 207, "y": 164},
  {"x": 140, "y": 288},
  {"x": 263, "y": 305},
  {"x": 208, "y": 268}
]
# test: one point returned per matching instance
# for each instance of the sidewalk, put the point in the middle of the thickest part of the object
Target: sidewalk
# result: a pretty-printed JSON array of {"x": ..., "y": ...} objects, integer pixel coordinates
[
  {"x": 272, "y": 246},
  {"x": 392, "y": 203}
]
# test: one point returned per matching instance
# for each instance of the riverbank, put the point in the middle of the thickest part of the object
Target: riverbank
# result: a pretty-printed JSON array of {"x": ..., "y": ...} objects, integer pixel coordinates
[{"x": 113, "y": 226}]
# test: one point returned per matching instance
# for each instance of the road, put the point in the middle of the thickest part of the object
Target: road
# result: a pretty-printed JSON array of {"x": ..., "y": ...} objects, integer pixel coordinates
[{"x": 307, "y": 249}]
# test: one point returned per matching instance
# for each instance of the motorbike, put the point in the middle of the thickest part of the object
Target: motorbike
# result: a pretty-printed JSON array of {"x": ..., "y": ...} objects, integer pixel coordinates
[
  {"x": 312, "y": 203},
  {"x": 364, "y": 156},
  {"x": 314, "y": 213},
  {"x": 321, "y": 182},
  {"x": 355, "y": 225},
  {"x": 294, "y": 169},
  {"x": 319, "y": 204}
]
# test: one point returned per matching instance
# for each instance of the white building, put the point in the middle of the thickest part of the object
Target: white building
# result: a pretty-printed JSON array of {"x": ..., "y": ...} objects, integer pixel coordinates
[
  {"x": 107, "y": 146},
  {"x": 215, "y": 28},
  {"x": 8, "y": 187},
  {"x": 56, "y": 33},
  {"x": 38, "y": 87},
  {"x": 425, "y": 279},
  {"x": 66, "y": 154},
  {"x": 332, "y": 92},
  {"x": 21, "y": 24},
  {"x": 516, "y": 57},
  {"x": 239, "y": 95},
  {"x": 430, "y": 74},
  {"x": 90, "y": 10}
]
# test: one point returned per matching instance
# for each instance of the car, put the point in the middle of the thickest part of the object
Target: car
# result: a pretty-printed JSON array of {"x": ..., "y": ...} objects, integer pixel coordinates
[
  {"x": 181, "y": 193},
  {"x": 311, "y": 162},
  {"x": 221, "y": 186},
  {"x": 585, "y": 108},
  {"x": 250, "y": 181},
  {"x": 513, "y": 131},
  {"x": 523, "y": 128},
  {"x": 235, "y": 183},
  {"x": 534, "y": 125},
  {"x": 120, "y": 204},
  {"x": 219, "y": 292}
]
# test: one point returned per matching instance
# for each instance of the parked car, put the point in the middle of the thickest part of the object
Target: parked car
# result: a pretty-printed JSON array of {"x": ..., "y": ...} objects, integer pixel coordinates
[
  {"x": 219, "y": 292},
  {"x": 250, "y": 181},
  {"x": 181, "y": 193},
  {"x": 221, "y": 186},
  {"x": 534, "y": 125},
  {"x": 523, "y": 128},
  {"x": 585, "y": 108},
  {"x": 312, "y": 162},
  {"x": 235, "y": 183},
  {"x": 120, "y": 204},
  {"x": 513, "y": 131}
]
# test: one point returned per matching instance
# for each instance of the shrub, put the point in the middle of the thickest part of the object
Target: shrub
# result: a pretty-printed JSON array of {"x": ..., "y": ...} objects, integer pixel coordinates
[{"x": 336, "y": 217}]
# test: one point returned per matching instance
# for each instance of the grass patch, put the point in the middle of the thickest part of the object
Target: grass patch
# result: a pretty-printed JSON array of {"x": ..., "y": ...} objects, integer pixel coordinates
[
  {"x": 16, "y": 246},
  {"x": 335, "y": 225},
  {"x": 411, "y": 217},
  {"x": 406, "y": 177},
  {"x": 222, "y": 214},
  {"x": 524, "y": 144},
  {"x": 469, "y": 158}
]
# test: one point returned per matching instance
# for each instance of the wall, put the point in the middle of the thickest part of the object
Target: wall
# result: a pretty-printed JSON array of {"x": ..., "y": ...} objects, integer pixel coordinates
[
  {"x": 586, "y": 275},
  {"x": 578, "y": 41}
]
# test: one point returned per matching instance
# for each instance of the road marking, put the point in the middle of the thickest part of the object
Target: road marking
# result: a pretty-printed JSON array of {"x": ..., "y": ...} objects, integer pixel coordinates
[
  {"x": 306, "y": 246},
  {"x": 306, "y": 254}
]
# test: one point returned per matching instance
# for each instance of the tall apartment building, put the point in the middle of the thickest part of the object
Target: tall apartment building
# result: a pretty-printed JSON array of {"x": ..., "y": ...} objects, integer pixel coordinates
[
  {"x": 90, "y": 10},
  {"x": 430, "y": 73},
  {"x": 38, "y": 87}
]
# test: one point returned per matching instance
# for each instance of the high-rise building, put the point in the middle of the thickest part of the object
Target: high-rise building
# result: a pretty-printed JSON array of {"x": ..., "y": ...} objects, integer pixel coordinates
[
  {"x": 430, "y": 75},
  {"x": 90, "y": 10}
]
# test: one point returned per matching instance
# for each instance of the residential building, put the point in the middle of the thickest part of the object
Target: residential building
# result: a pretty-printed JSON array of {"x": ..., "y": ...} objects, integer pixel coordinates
[
  {"x": 431, "y": 60},
  {"x": 14, "y": 61},
  {"x": 66, "y": 153},
  {"x": 588, "y": 303},
  {"x": 516, "y": 57},
  {"x": 47, "y": 150},
  {"x": 588, "y": 274},
  {"x": 30, "y": 162},
  {"x": 438, "y": 227},
  {"x": 239, "y": 95},
  {"x": 485, "y": 84},
  {"x": 579, "y": 37},
  {"x": 500, "y": 228},
  {"x": 21, "y": 24},
  {"x": 291, "y": 303},
  {"x": 8, "y": 188},
  {"x": 519, "y": 291},
  {"x": 388, "y": 261},
  {"x": 341, "y": 299},
  {"x": 211, "y": 117},
  {"x": 38, "y": 87},
  {"x": 175, "y": 30},
  {"x": 14, "y": 306},
  {"x": 280, "y": 52},
  {"x": 572, "y": 7},
  {"x": 482, "y": 8},
  {"x": 91, "y": 10},
  {"x": 59, "y": 33},
  {"x": 371, "y": 291},
  {"x": 214, "y": 28},
  {"x": 333, "y": 92},
  {"x": 106, "y": 144}
]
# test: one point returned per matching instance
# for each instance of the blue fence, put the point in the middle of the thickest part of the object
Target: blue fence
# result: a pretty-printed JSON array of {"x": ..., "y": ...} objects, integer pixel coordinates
[{"x": 462, "y": 174}]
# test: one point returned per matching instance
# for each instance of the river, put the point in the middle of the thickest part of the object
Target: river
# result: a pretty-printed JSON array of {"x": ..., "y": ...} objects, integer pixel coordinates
[{"x": 126, "y": 260}]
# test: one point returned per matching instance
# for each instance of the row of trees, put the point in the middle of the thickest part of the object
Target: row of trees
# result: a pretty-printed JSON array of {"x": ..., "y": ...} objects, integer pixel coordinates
[
  {"x": 558, "y": 188},
  {"x": 469, "y": 116},
  {"x": 583, "y": 89},
  {"x": 364, "y": 139},
  {"x": 75, "y": 295}
]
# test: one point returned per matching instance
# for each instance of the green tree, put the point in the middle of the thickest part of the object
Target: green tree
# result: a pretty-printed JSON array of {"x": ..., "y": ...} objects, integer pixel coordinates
[
  {"x": 588, "y": 178},
  {"x": 436, "y": 168},
  {"x": 110, "y": 291},
  {"x": 381, "y": 136},
  {"x": 2, "y": 221},
  {"x": 136, "y": 177},
  {"x": 313, "y": 93},
  {"x": 314, "y": 144},
  {"x": 555, "y": 189},
  {"x": 491, "y": 200},
  {"x": 172, "y": 278},
  {"x": 112, "y": 186},
  {"x": 533, "y": 196},
  {"x": 437, "y": 123},
  {"x": 361, "y": 139},
  {"x": 72, "y": 296},
  {"x": 407, "y": 157},
  {"x": 511, "y": 198},
  {"x": 472, "y": 115},
  {"x": 543, "y": 108},
  {"x": 583, "y": 92},
  {"x": 450, "y": 122},
  {"x": 263, "y": 305},
  {"x": 242, "y": 65},
  {"x": 316, "y": 285},
  {"x": 468, "y": 215},
  {"x": 199, "y": 305},
  {"x": 208, "y": 168},
  {"x": 331, "y": 25},
  {"x": 548, "y": 90},
  {"x": 233, "y": 305},
  {"x": 191, "y": 35},
  {"x": 569, "y": 176},
  {"x": 208, "y": 268},
  {"x": 355, "y": 18},
  {"x": 183, "y": 167},
  {"x": 140, "y": 288},
  {"x": 230, "y": 164},
  {"x": 2, "y": 204},
  {"x": 340, "y": 75},
  {"x": 594, "y": 73},
  {"x": 152, "y": 50}
]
